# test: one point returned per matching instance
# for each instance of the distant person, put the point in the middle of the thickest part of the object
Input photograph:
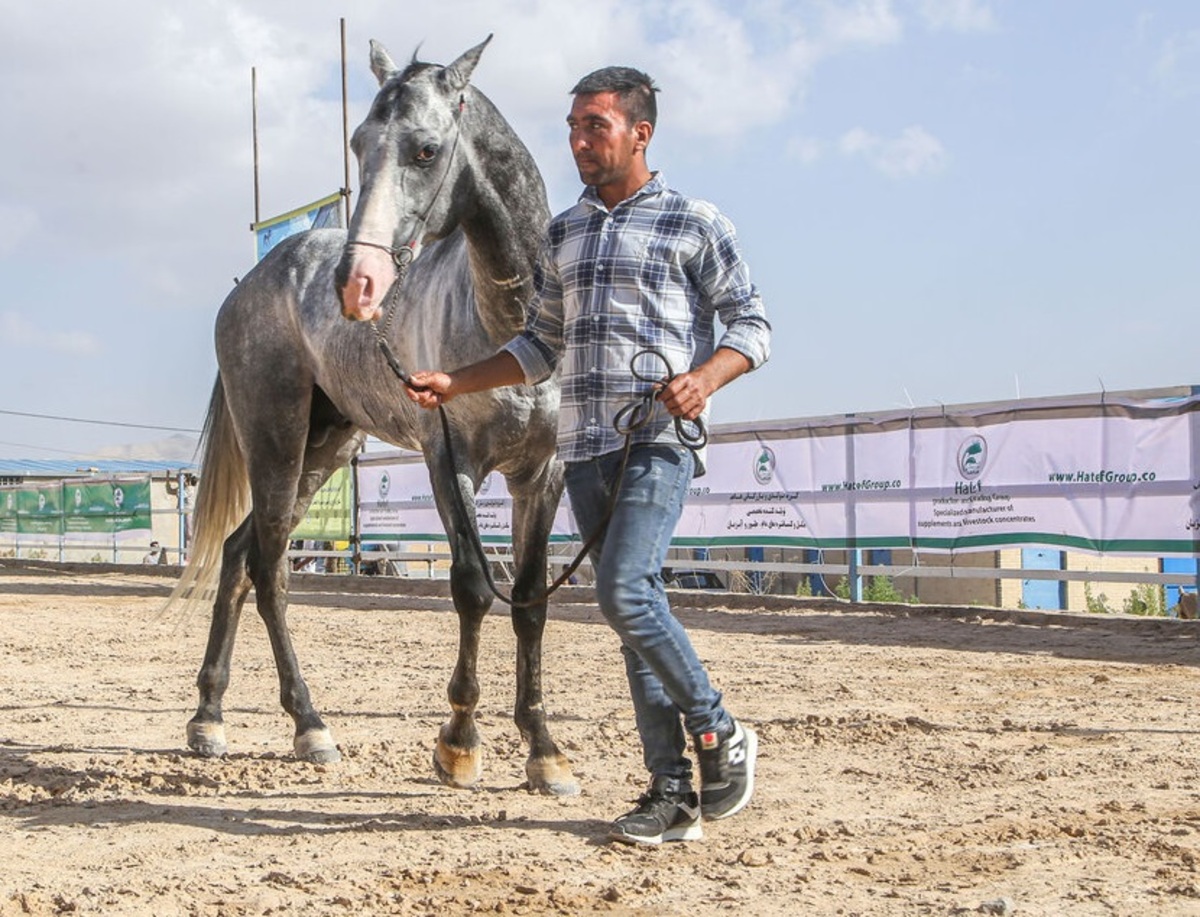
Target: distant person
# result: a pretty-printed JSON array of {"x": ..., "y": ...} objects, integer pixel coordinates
[{"x": 154, "y": 554}]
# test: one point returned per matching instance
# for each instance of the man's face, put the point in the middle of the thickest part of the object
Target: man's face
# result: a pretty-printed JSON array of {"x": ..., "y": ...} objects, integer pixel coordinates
[{"x": 602, "y": 140}]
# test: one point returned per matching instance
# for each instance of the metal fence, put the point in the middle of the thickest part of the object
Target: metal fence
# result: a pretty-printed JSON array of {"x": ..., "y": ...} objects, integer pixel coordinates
[{"x": 789, "y": 573}]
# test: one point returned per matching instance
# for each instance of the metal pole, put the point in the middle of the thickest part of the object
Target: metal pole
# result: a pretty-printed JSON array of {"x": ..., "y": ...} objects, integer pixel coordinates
[
  {"x": 345, "y": 136},
  {"x": 355, "y": 522},
  {"x": 181, "y": 506},
  {"x": 254, "y": 128}
]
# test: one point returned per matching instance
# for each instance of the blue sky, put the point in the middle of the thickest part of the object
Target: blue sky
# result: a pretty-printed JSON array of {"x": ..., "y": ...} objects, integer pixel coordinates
[{"x": 942, "y": 201}]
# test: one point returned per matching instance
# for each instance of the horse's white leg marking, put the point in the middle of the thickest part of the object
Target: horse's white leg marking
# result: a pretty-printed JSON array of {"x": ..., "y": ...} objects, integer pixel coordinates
[
  {"x": 207, "y": 739},
  {"x": 552, "y": 776},
  {"x": 457, "y": 767},
  {"x": 317, "y": 746}
]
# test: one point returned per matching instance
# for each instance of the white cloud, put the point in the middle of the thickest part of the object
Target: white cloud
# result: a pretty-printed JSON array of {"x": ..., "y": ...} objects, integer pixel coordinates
[
  {"x": 913, "y": 152},
  {"x": 958, "y": 15},
  {"x": 804, "y": 150},
  {"x": 722, "y": 70},
  {"x": 16, "y": 224},
  {"x": 20, "y": 332},
  {"x": 863, "y": 22},
  {"x": 1177, "y": 68}
]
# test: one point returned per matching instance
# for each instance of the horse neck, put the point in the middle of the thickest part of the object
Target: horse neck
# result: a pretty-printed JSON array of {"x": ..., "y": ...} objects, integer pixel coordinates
[{"x": 504, "y": 226}]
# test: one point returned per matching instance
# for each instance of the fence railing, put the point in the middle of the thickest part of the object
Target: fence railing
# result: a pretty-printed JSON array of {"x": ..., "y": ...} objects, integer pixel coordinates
[
  {"x": 433, "y": 562},
  {"x": 743, "y": 575}
]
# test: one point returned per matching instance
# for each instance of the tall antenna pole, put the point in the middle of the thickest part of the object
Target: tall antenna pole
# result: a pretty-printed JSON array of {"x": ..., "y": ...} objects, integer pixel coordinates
[
  {"x": 345, "y": 135},
  {"x": 254, "y": 116}
]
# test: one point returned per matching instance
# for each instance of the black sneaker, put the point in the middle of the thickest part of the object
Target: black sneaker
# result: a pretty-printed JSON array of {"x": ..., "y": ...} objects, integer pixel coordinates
[
  {"x": 726, "y": 770},
  {"x": 668, "y": 811}
]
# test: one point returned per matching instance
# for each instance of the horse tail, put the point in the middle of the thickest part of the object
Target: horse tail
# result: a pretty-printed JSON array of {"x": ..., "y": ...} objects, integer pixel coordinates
[{"x": 222, "y": 502}]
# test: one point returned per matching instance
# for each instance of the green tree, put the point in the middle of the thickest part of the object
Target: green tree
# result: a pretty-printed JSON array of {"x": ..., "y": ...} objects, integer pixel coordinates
[{"x": 1146, "y": 600}]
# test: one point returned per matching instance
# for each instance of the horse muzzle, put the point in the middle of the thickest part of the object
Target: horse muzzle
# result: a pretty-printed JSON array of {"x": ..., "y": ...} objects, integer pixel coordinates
[{"x": 361, "y": 280}]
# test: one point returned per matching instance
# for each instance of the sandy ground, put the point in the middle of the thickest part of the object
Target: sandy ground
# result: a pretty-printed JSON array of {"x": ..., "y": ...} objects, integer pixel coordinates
[{"x": 912, "y": 761}]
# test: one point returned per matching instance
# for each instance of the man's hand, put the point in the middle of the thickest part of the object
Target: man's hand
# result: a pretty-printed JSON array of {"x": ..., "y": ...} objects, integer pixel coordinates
[
  {"x": 434, "y": 387},
  {"x": 687, "y": 394},
  {"x": 430, "y": 389}
]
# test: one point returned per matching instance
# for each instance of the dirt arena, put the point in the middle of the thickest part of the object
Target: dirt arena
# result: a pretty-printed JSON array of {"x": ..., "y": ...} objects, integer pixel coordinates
[{"x": 913, "y": 761}]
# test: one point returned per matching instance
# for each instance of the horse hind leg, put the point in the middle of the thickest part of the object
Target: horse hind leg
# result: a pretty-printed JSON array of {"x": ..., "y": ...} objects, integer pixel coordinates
[
  {"x": 331, "y": 444},
  {"x": 206, "y": 729},
  {"x": 240, "y": 569}
]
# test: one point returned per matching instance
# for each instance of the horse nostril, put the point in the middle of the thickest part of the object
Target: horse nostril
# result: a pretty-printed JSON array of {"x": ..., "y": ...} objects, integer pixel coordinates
[{"x": 341, "y": 274}]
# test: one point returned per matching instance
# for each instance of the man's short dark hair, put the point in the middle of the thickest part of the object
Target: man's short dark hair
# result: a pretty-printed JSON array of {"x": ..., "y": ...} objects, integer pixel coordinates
[{"x": 635, "y": 91}]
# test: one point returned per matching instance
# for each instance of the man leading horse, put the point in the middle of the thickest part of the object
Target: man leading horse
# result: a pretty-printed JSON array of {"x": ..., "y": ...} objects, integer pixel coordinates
[{"x": 637, "y": 272}]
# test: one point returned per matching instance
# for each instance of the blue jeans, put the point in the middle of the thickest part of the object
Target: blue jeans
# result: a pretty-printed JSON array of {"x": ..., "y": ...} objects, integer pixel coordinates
[{"x": 670, "y": 687}]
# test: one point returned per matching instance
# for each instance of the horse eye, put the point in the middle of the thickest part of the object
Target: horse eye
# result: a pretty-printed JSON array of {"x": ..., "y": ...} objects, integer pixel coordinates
[{"x": 426, "y": 154}]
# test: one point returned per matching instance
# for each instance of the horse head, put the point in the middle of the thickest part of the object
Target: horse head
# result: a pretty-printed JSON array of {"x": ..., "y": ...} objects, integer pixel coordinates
[{"x": 408, "y": 162}]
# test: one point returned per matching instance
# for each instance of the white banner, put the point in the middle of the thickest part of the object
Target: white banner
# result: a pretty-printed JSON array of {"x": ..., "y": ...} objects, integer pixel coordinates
[
  {"x": 395, "y": 503},
  {"x": 1090, "y": 473}
]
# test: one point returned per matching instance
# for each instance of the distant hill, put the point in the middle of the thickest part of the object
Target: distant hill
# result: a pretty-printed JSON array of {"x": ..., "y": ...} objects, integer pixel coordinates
[{"x": 178, "y": 447}]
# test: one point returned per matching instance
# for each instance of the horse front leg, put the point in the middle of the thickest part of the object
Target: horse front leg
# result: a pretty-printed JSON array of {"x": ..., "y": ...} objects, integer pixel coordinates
[
  {"x": 548, "y": 769},
  {"x": 206, "y": 730},
  {"x": 458, "y": 754}
]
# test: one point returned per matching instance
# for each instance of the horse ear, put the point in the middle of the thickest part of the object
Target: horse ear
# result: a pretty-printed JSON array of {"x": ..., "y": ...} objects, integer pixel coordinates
[
  {"x": 382, "y": 64},
  {"x": 458, "y": 74}
]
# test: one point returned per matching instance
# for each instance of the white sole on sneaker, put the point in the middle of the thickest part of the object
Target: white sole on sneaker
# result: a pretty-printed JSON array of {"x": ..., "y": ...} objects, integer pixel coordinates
[{"x": 682, "y": 833}]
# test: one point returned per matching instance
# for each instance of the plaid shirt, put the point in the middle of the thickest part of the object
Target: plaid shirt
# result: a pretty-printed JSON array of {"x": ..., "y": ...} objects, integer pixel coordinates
[{"x": 651, "y": 273}]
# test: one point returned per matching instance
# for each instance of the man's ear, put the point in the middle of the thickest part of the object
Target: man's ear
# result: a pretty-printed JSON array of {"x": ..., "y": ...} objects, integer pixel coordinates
[{"x": 643, "y": 131}]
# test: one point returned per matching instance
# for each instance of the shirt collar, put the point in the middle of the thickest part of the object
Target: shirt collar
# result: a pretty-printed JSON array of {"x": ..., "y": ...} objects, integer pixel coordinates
[{"x": 655, "y": 185}]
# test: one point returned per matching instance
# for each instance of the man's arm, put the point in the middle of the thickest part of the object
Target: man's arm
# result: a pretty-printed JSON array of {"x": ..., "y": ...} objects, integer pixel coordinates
[{"x": 438, "y": 387}]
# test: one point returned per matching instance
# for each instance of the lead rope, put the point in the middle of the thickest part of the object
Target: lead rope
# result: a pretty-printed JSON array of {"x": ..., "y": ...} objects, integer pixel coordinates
[{"x": 627, "y": 421}]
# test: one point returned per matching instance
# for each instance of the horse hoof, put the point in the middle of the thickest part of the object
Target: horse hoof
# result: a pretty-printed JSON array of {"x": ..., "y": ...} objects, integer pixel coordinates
[
  {"x": 460, "y": 768},
  {"x": 316, "y": 747},
  {"x": 207, "y": 739},
  {"x": 551, "y": 776}
]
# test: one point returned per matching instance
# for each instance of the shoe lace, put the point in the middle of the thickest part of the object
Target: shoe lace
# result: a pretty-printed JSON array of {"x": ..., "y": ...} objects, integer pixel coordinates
[{"x": 650, "y": 803}]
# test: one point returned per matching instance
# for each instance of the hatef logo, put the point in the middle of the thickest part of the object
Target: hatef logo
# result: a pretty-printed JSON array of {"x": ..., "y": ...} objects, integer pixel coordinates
[
  {"x": 972, "y": 456},
  {"x": 764, "y": 466},
  {"x": 385, "y": 484}
]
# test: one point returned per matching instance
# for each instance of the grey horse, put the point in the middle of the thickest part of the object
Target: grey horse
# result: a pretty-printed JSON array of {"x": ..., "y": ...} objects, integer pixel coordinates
[{"x": 449, "y": 192}]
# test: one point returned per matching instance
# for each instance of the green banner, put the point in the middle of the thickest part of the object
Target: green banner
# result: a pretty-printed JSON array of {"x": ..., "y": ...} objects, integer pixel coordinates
[
  {"x": 328, "y": 518},
  {"x": 77, "y": 507},
  {"x": 8, "y": 510},
  {"x": 132, "y": 498},
  {"x": 89, "y": 499},
  {"x": 39, "y": 509}
]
